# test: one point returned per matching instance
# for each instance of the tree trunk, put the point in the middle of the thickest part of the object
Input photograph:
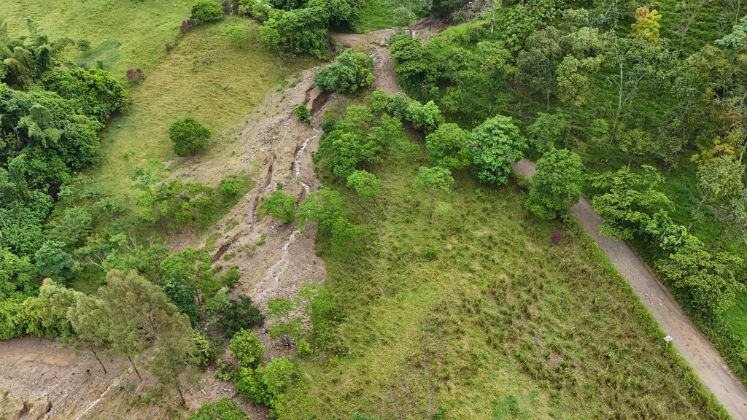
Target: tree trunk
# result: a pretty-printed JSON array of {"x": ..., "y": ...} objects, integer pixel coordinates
[
  {"x": 181, "y": 396},
  {"x": 134, "y": 367},
  {"x": 97, "y": 358}
]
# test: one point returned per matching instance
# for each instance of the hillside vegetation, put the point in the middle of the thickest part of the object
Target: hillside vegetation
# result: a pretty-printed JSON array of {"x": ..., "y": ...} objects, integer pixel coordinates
[
  {"x": 659, "y": 90},
  {"x": 460, "y": 306}
]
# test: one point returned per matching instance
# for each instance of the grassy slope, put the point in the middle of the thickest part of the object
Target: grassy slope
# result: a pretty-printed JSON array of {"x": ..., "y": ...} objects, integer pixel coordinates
[
  {"x": 123, "y": 34},
  {"x": 500, "y": 323},
  {"x": 703, "y": 27},
  {"x": 205, "y": 77},
  {"x": 376, "y": 14}
]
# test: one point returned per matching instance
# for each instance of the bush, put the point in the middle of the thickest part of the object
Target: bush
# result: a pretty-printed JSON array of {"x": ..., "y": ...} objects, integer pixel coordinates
[
  {"x": 264, "y": 385},
  {"x": 366, "y": 184},
  {"x": 556, "y": 185},
  {"x": 229, "y": 188},
  {"x": 299, "y": 31},
  {"x": 205, "y": 11},
  {"x": 238, "y": 315},
  {"x": 303, "y": 114},
  {"x": 281, "y": 206},
  {"x": 247, "y": 348},
  {"x": 257, "y": 9},
  {"x": 189, "y": 137},
  {"x": 178, "y": 205},
  {"x": 251, "y": 386},
  {"x": 352, "y": 72},
  {"x": 93, "y": 92},
  {"x": 223, "y": 409},
  {"x": 205, "y": 352},
  {"x": 237, "y": 34},
  {"x": 448, "y": 146}
]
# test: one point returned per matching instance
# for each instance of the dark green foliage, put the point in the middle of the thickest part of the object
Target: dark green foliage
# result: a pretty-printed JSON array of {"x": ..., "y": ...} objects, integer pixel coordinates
[
  {"x": 299, "y": 31},
  {"x": 448, "y": 146},
  {"x": 352, "y": 72},
  {"x": 547, "y": 131},
  {"x": 205, "y": 11},
  {"x": 281, "y": 206},
  {"x": 496, "y": 145},
  {"x": 238, "y": 315},
  {"x": 189, "y": 137},
  {"x": 72, "y": 228},
  {"x": 223, "y": 409},
  {"x": 557, "y": 184},
  {"x": 92, "y": 92},
  {"x": 708, "y": 280},
  {"x": 627, "y": 200},
  {"x": 51, "y": 261}
]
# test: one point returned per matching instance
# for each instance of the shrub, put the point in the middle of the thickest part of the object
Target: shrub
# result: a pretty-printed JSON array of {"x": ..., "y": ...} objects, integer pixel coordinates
[
  {"x": 366, "y": 184},
  {"x": 627, "y": 200},
  {"x": 299, "y": 31},
  {"x": 205, "y": 11},
  {"x": 93, "y": 92},
  {"x": 189, "y": 137},
  {"x": 251, "y": 386},
  {"x": 238, "y": 315},
  {"x": 448, "y": 146},
  {"x": 177, "y": 204},
  {"x": 247, "y": 348},
  {"x": 237, "y": 34},
  {"x": 223, "y": 409},
  {"x": 281, "y": 206},
  {"x": 205, "y": 351},
  {"x": 229, "y": 188},
  {"x": 424, "y": 117},
  {"x": 556, "y": 185},
  {"x": 352, "y": 72},
  {"x": 257, "y": 9},
  {"x": 706, "y": 279},
  {"x": 303, "y": 114}
]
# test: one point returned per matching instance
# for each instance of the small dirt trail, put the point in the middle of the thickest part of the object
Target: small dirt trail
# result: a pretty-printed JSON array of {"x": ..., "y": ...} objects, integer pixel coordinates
[{"x": 692, "y": 345}]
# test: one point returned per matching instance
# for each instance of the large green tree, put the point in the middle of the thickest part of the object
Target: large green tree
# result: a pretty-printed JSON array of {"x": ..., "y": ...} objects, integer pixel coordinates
[
  {"x": 495, "y": 145},
  {"x": 557, "y": 184}
]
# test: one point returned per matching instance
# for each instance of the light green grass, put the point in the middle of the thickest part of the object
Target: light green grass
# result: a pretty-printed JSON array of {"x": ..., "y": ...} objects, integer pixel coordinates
[
  {"x": 501, "y": 324},
  {"x": 205, "y": 77},
  {"x": 123, "y": 34},
  {"x": 377, "y": 14}
]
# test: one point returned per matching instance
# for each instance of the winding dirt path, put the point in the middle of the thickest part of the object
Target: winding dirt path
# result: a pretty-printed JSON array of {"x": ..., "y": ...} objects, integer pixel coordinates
[{"x": 694, "y": 347}]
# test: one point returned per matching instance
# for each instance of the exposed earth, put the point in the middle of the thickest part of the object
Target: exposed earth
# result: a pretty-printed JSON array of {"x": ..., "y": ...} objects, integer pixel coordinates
[{"x": 43, "y": 379}]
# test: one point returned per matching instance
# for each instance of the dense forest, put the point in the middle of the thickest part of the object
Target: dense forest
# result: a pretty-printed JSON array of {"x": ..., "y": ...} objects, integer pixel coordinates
[{"x": 447, "y": 278}]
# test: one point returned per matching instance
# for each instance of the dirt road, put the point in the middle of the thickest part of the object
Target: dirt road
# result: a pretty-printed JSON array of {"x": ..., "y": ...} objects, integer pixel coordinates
[{"x": 694, "y": 347}]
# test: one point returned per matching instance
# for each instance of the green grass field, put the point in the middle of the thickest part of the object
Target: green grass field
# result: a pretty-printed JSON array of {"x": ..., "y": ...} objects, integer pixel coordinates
[
  {"x": 205, "y": 77},
  {"x": 376, "y": 14},
  {"x": 123, "y": 34},
  {"x": 472, "y": 313}
]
